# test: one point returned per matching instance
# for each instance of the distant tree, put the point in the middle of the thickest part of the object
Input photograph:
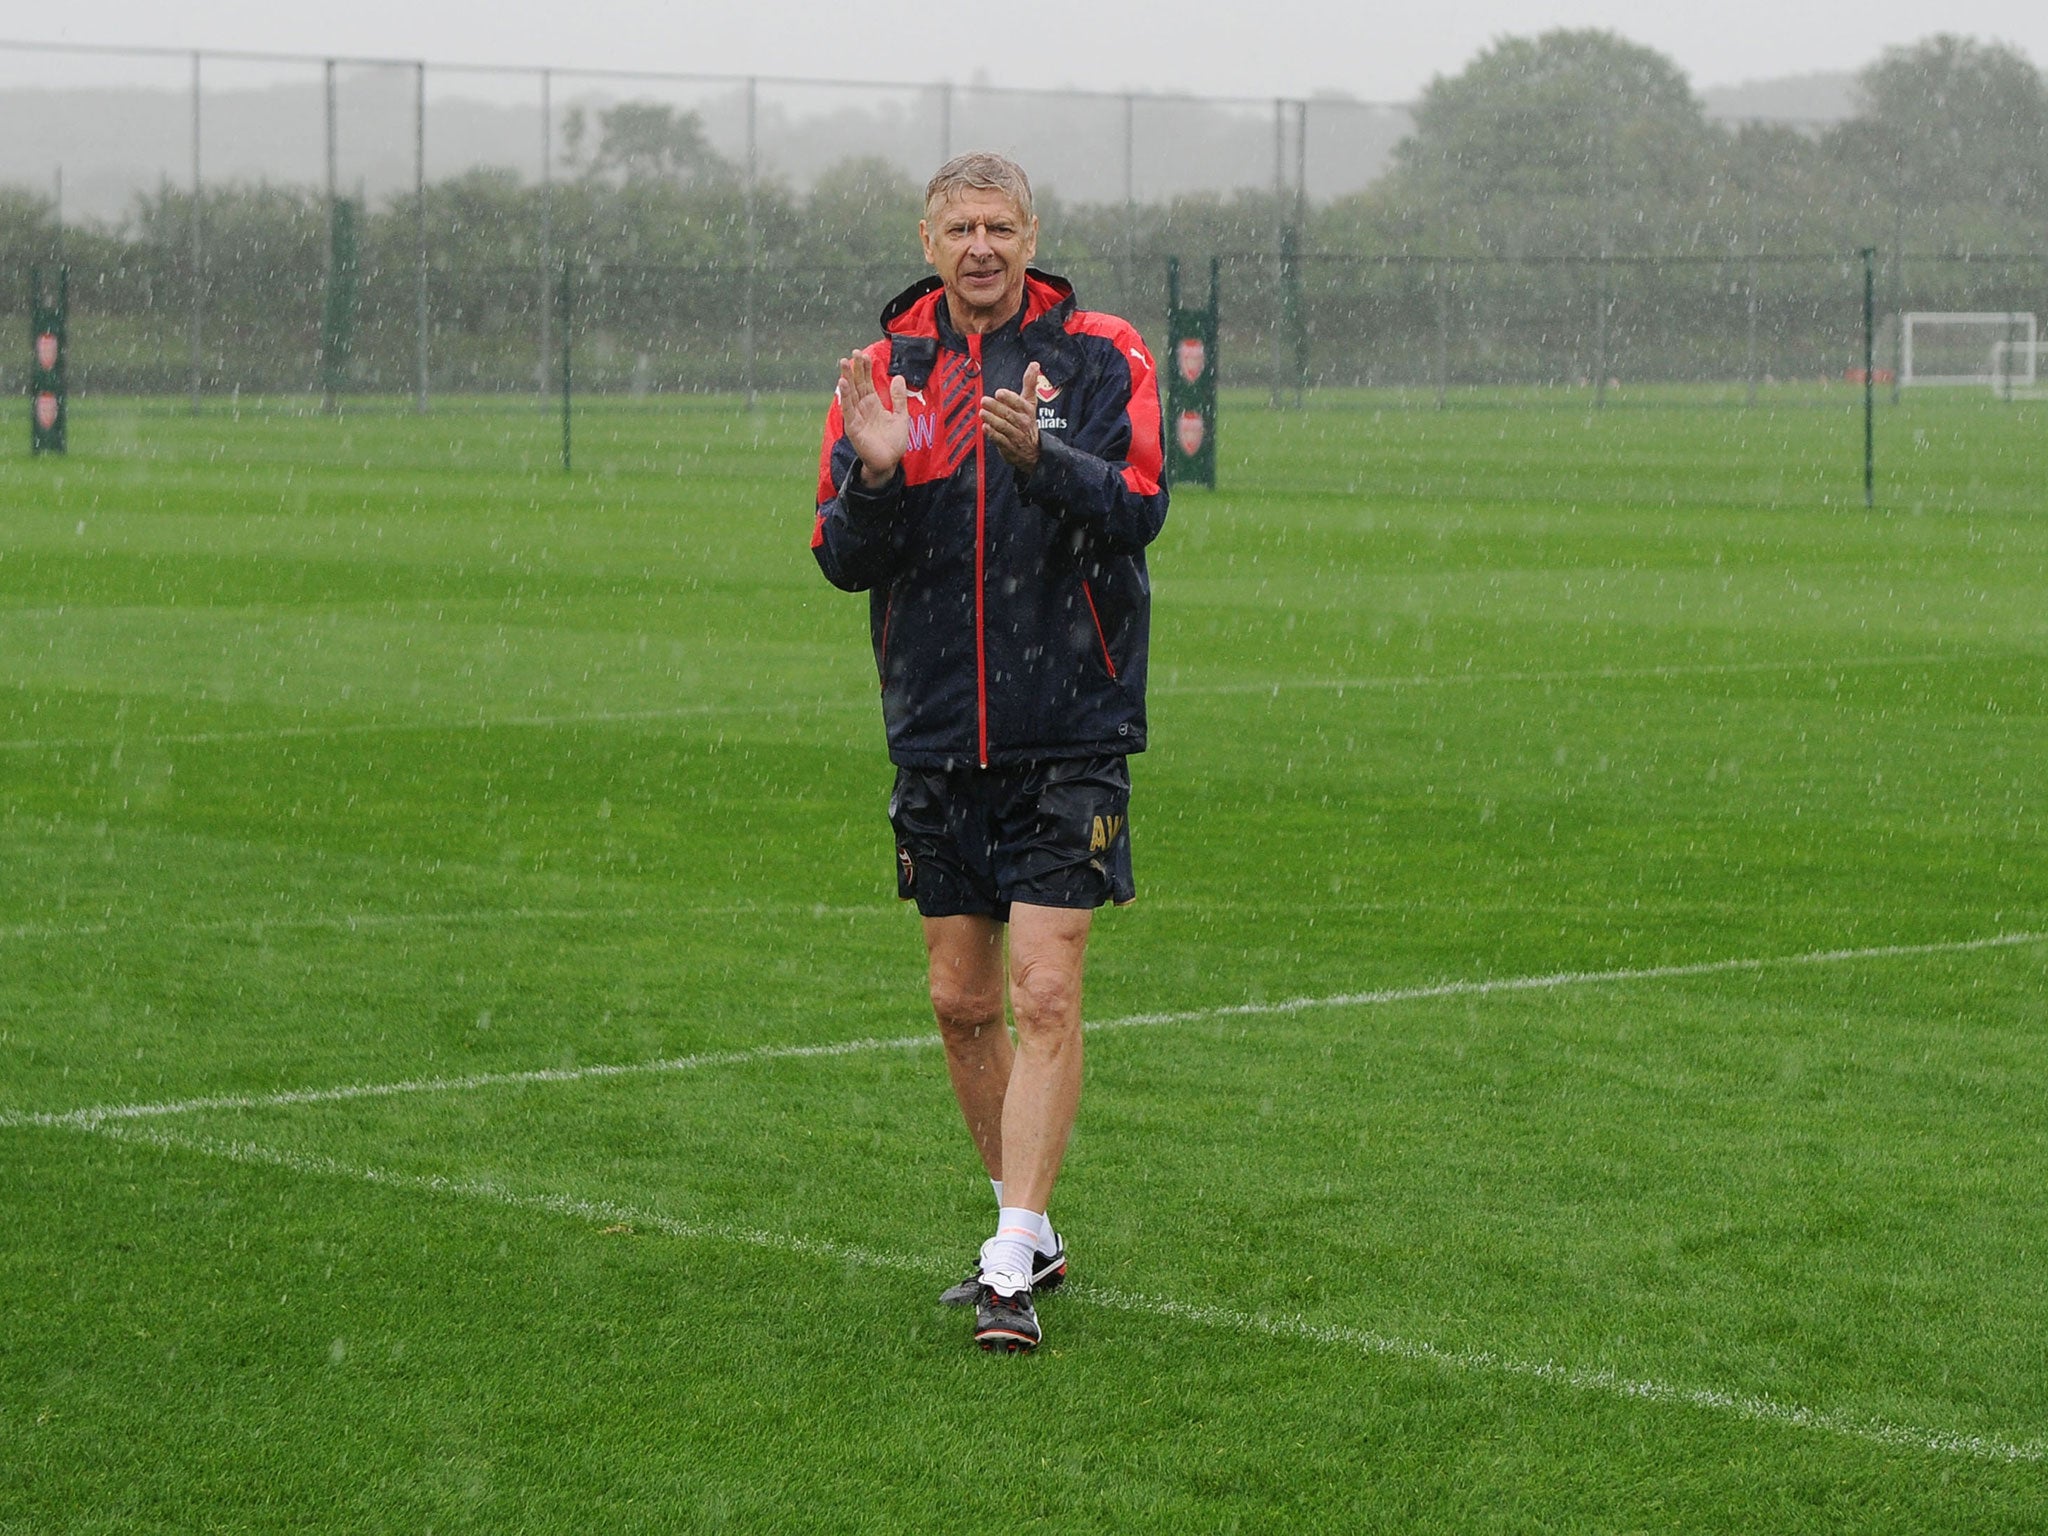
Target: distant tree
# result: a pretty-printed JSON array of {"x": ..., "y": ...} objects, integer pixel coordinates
[
  {"x": 1961, "y": 123},
  {"x": 867, "y": 210},
  {"x": 642, "y": 142},
  {"x": 1574, "y": 134},
  {"x": 28, "y": 228},
  {"x": 1778, "y": 188},
  {"x": 266, "y": 245},
  {"x": 484, "y": 217}
]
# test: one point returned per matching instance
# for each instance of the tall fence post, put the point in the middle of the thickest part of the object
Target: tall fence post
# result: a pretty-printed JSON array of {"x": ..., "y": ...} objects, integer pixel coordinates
[
  {"x": 1870, "y": 376},
  {"x": 1300, "y": 327},
  {"x": 1290, "y": 206},
  {"x": 547, "y": 227},
  {"x": 1441, "y": 284},
  {"x": 748, "y": 344},
  {"x": 198, "y": 250},
  {"x": 563, "y": 298},
  {"x": 327, "y": 394},
  {"x": 1280, "y": 247},
  {"x": 419, "y": 202},
  {"x": 1128, "y": 248},
  {"x": 1293, "y": 349},
  {"x": 1601, "y": 300},
  {"x": 1290, "y": 334},
  {"x": 1897, "y": 262},
  {"x": 1749, "y": 368}
]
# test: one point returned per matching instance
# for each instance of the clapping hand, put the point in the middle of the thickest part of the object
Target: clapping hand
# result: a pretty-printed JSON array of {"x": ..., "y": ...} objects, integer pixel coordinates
[
  {"x": 1010, "y": 421},
  {"x": 878, "y": 429}
]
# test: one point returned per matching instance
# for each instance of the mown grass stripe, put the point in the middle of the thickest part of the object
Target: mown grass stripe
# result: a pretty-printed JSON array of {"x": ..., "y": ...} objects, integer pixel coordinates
[
  {"x": 344, "y": 728},
  {"x": 1748, "y": 1407},
  {"x": 1558, "y": 675},
  {"x": 358, "y": 922}
]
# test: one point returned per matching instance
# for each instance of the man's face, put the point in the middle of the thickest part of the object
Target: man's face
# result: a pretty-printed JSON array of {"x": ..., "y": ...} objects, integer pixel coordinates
[{"x": 980, "y": 244}]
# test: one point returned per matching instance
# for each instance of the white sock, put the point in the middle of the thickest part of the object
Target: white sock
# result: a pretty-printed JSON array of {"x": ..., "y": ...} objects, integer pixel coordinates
[
  {"x": 1048, "y": 1240},
  {"x": 1006, "y": 1257}
]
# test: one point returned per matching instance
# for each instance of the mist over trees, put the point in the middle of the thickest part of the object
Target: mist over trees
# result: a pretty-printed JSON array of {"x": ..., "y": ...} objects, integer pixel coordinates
[
  {"x": 641, "y": 142},
  {"x": 1580, "y": 142},
  {"x": 1571, "y": 144}
]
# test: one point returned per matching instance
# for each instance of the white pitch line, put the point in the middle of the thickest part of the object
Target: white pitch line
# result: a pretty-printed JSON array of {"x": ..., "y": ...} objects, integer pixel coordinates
[
  {"x": 1595, "y": 674},
  {"x": 354, "y": 922},
  {"x": 1579, "y": 978},
  {"x": 1741, "y": 1405},
  {"x": 95, "y": 1116},
  {"x": 1748, "y": 1407}
]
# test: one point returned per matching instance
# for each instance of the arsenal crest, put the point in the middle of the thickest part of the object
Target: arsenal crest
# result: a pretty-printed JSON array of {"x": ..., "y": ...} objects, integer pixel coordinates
[
  {"x": 1047, "y": 390},
  {"x": 46, "y": 350},
  {"x": 1192, "y": 357},
  {"x": 1191, "y": 429},
  {"x": 46, "y": 410}
]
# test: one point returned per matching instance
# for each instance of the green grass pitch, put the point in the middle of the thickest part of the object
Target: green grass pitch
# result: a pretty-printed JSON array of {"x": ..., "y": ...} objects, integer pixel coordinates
[{"x": 1575, "y": 1064}]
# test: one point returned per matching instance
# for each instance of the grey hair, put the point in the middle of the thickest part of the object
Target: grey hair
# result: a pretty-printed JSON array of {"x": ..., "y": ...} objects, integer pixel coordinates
[{"x": 983, "y": 171}]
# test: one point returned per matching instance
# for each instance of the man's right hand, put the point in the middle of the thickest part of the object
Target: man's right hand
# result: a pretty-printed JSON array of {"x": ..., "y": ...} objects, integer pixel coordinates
[{"x": 878, "y": 429}]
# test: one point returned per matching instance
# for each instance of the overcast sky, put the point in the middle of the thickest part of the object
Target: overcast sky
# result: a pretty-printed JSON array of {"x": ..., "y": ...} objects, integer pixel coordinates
[{"x": 1234, "y": 47}]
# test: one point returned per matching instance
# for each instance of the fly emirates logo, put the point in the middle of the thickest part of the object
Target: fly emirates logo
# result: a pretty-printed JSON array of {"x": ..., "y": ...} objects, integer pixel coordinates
[{"x": 1049, "y": 418}]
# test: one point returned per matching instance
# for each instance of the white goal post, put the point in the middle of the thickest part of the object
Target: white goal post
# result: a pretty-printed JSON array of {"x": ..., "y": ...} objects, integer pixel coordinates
[
  {"x": 1994, "y": 347},
  {"x": 2016, "y": 368}
]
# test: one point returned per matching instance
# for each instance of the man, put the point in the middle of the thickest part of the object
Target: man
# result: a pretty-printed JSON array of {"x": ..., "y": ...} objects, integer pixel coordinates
[{"x": 990, "y": 477}]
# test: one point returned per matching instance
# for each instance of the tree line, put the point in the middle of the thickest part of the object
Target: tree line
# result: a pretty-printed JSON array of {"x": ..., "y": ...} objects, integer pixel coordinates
[{"x": 1567, "y": 147}]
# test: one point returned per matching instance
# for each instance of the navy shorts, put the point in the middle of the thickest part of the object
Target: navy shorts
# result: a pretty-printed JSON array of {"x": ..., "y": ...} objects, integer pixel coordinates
[{"x": 1049, "y": 834}]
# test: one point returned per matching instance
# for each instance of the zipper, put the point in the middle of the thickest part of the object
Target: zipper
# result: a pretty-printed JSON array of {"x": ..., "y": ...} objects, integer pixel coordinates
[
  {"x": 980, "y": 565},
  {"x": 888, "y": 613},
  {"x": 1100, "y": 638}
]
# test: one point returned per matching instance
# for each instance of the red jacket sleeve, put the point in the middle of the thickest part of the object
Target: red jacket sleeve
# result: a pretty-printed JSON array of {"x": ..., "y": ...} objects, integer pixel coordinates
[{"x": 854, "y": 536}]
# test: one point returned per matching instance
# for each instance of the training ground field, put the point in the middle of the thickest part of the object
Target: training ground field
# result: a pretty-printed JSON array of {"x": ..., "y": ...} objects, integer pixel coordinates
[{"x": 1577, "y": 1061}]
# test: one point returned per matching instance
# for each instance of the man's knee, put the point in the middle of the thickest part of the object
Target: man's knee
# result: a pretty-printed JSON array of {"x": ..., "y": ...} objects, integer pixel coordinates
[
  {"x": 1045, "y": 996},
  {"x": 965, "y": 1011}
]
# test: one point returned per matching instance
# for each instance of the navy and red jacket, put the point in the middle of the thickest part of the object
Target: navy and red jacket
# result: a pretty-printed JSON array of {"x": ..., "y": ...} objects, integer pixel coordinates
[{"x": 1010, "y": 613}]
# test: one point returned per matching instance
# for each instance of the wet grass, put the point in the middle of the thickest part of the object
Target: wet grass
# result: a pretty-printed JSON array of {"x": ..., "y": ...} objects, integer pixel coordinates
[{"x": 375, "y": 750}]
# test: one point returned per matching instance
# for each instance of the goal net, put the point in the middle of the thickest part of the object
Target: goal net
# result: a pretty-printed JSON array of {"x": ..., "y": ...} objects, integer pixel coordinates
[{"x": 1991, "y": 347}]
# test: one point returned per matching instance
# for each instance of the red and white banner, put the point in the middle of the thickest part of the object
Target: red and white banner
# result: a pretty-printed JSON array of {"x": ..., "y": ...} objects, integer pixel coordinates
[
  {"x": 46, "y": 410},
  {"x": 46, "y": 350},
  {"x": 1192, "y": 358},
  {"x": 1191, "y": 429}
]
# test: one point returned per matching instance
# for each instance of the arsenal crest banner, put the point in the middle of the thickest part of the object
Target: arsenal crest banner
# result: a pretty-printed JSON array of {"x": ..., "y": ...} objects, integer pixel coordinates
[
  {"x": 46, "y": 394},
  {"x": 1190, "y": 384}
]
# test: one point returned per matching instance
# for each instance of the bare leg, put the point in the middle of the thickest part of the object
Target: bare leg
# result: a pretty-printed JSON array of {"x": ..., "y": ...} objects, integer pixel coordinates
[
  {"x": 966, "y": 955},
  {"x": 1047, "y": 948}
]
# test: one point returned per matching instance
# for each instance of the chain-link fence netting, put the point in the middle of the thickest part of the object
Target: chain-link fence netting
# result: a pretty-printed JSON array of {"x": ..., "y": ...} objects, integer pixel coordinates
[{"x": 240, "y": 225}]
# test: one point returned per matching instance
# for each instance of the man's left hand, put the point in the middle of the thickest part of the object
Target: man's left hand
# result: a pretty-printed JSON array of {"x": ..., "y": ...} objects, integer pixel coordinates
[{"x": 1010, "y": 421}]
